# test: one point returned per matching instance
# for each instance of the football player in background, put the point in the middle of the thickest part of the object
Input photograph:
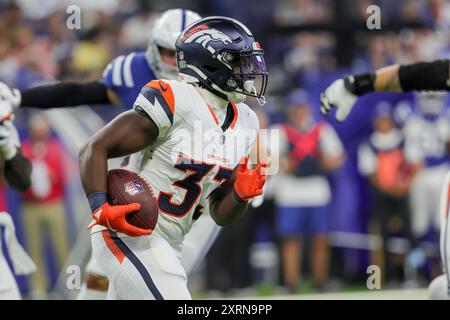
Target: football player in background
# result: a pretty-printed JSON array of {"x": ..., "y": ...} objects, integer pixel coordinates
[
  {"x": 16, "y": 169},
  {"x": 439, "y": 288},
  {"x": 121, "y": 83},
  {"x": 423, "y": 76},
  {"x": 220, "y": 63},
  {"x": 427, "y": 130}
]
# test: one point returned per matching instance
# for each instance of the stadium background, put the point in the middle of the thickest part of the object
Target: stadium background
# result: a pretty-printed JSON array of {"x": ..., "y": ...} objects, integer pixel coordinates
[{"x": 307, "y": 43}]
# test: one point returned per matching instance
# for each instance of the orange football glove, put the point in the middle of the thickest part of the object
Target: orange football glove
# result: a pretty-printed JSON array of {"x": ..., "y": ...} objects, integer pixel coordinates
[
  {"x": 113, "y": 217},
  {"x": 249, "y": 182}
]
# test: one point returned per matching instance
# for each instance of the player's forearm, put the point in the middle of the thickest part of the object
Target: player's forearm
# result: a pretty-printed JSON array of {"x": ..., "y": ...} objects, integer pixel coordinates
[
  {"x": 18, "y": 172},
  {"x": 128, "y": 133},
  {"x": 386, "y": 79},
  {"x": 421, "y": 76},
  {"x": 227, "y": 210},
  {"x": 93, "y": 167},
  {"x": 432, "y": 76},
  {"x": 64, "y": 94}
]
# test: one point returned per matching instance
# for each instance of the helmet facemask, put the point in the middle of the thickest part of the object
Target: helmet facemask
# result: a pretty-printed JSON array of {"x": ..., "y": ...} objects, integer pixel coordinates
[
  {"x": 168, "y": 71},
  {"x": 163, "y": 70},
  {"x": 249, "y": 73}
]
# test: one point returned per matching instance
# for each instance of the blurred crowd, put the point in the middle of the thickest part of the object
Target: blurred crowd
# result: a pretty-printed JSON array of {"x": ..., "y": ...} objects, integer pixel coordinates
[{"x": 347, "y": 195}]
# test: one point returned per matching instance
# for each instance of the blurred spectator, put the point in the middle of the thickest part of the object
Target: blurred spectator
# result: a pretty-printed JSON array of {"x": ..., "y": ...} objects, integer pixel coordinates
[
  {"x": 39, "y": 9},
  {"x": 136, "y": 31},
  {"x": 428, "y": 129},
  {"x": 44, "y": 210},
  {"x": 390, "y": 169},
  {"x": 308, "y": 149},
  {"x": 91, "y": 55},
  {"x": 304, "y": 11}
]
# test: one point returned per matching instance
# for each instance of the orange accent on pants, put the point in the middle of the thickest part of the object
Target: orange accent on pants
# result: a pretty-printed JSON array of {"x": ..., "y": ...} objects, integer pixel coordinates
[{"x": 113, "y": 246}]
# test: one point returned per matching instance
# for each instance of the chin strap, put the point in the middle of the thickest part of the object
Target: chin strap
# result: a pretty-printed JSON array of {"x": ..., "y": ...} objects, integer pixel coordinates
[
  {"x": 210, "y": 86},
  {"x": 207, "y": 84},
  {"x": 261, "y": 100}
]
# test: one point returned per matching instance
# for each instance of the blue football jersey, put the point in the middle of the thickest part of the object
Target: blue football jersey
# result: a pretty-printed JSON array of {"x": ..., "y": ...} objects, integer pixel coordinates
[
  {"x": 126, "y": 75},
  {"x": 430, "y": 134}
]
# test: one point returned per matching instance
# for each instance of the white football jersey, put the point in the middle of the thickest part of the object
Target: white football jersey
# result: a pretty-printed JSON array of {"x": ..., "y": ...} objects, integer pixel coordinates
[{"x": 192, "y": 155}]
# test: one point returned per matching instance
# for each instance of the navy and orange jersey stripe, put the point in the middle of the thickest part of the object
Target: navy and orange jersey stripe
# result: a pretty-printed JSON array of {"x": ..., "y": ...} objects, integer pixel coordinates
[
  {"x": 213, "y": 114},
  {"x": 231, "y": 117},
  {"x": 235, "y": 114},
  {"x": 161, "y": 91}
]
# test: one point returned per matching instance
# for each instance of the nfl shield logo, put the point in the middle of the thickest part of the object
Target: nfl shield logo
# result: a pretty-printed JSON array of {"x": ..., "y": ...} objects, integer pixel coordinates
[{"x": 133, "y": 187}]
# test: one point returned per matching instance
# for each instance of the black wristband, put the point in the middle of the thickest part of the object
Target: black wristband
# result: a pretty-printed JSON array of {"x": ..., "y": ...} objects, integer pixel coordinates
[
  {"x": 360, "y": 84},
  {"x": 97, "y": 199},
  {"x": 433, "y": 76}
]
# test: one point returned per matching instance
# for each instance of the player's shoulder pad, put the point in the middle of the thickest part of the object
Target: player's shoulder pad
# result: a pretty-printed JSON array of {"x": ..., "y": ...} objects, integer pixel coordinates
[
  {"x": 161, "y": 91},
  {"x": 119, "y": 73}
]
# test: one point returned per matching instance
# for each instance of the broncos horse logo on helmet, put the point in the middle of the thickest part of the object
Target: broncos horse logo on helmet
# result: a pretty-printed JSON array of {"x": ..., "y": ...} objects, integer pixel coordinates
[
  {"x": 221, "y": 54},
  {"x": 203, "y": 35}
]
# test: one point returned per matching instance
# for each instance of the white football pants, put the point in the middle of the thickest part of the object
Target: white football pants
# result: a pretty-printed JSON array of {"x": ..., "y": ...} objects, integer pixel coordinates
[
  {"x": 139, "y": 268},
  {"x": 424, "y": 199}
]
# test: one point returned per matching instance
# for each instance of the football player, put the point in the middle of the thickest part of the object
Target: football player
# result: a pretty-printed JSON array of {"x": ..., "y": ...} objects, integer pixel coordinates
[
  {"x": 193, "y": 132},
  {"x": 17, "y": 172},
  {"x": 439, "y": 287},
  {"x": 423, "y": 76},
  {"x": 121, "y": 83}
]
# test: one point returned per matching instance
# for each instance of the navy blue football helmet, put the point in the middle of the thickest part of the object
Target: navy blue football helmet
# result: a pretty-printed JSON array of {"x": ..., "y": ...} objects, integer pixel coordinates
[{"x": 222, "y": 54}]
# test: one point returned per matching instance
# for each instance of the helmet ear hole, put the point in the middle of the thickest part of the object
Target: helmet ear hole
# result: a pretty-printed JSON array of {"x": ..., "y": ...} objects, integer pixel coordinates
[{"x": 232, "y": 83}]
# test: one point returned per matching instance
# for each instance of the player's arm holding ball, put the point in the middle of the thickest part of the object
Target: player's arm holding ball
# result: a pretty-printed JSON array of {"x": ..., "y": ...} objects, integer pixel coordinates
[
  {"x": 128, "y": 133},
  {"x": 230, "y": 200},
  {"x": 343, "y": 93}
]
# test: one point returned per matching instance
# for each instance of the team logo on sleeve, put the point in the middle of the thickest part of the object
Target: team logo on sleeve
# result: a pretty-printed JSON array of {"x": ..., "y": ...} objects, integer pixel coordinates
[
  {"x": 133, "y": 187},
  {"x": 203, "y": 35}
]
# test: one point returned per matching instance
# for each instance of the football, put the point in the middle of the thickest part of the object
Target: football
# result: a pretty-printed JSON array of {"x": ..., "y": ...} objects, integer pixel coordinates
[{"x": 126, "y": 187}]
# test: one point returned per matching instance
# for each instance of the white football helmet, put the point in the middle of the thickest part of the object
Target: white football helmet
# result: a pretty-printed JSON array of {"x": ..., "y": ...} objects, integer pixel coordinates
[{"x": 164, "y": 34}]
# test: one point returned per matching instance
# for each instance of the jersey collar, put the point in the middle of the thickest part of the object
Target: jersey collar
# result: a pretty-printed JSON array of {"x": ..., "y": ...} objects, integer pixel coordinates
[{"x": 231, "y": 117}]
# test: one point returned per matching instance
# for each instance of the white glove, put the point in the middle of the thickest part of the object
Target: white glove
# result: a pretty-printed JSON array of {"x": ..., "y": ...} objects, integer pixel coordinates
[
  {"x": 10, "y": 95},
  {"x": 21, "y": 262},
  {"x": 8, "y": 147},
  {"x": 336, "y": 95},
  {"x": 6, "y": 111}
]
